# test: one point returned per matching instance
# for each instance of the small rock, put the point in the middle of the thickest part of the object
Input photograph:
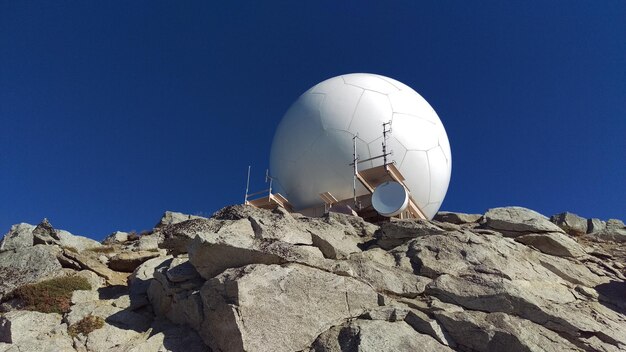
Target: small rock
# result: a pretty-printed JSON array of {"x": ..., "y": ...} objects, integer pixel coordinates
[
  {"x": 587, "y": 291},
  {"x": 116, "y": 237},
  {"x": 172, "y": 217},
  {"x": 121, "y": 302},
  {"x": 386, "y": 314},
  {"x": 44, "y": 234}
]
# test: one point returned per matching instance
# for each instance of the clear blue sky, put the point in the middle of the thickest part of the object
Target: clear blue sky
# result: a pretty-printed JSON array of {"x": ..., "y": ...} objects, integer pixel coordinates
[{"x": 113, "y": 112}]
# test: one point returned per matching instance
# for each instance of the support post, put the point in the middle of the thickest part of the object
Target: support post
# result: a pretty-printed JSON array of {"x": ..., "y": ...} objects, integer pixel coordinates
[
  {"x": 355, "y": 158},
  {"x": 385, "y": 131},
  {"x": 245, "y": 200},
  {"x": 268, "y": 177}
]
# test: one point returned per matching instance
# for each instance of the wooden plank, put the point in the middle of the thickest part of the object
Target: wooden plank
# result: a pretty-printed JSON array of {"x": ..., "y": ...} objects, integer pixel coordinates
[
  {"x": 365, "y": 182},
  {"x": 328, "y": 198},
  {"x": 415, "y": 211},
  {"x": 271, "y": 201},
  {"x": 280, "y": 199}
]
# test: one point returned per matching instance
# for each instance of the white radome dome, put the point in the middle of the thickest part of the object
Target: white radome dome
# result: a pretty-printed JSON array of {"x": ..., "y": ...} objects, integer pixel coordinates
[{"x": 312, "y": 147}]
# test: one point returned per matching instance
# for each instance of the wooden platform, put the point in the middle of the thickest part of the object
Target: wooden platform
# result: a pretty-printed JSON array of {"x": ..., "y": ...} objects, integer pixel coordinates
[
  {"x": 369, "y": 178},
  {"x": 271, "y": 201},
  {"x": 372, "y": 178}
]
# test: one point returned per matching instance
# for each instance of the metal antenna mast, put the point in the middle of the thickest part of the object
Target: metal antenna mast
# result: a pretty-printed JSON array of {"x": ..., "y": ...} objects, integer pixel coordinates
[
  {"x": 355, "y": 159},
  {"x": 385, "y": 136},
  {"x": 271, "y": 179}
]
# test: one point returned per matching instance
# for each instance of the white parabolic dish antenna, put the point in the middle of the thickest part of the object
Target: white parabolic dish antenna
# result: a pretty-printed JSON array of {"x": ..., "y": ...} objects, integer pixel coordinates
[
  {"x": 313, "y": 144},
  {"x": 390, "y": 198}
]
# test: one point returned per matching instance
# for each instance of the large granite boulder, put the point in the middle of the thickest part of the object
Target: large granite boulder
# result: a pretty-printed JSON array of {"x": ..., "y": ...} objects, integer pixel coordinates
[
  {"x": 211, "y": 253},
  {"x": 79, "y": 243},
  {"x": 610, "y": 234},
  {"x": 374, "y": 336},
  {"x": 615, "y": 224},
  {"x": 174, "y": 292},
  {"x": 19, "y": 236},
  {"x": 594, "y": 225},
  {"x": 26, "y": 235},
  {"x": 139, "y": 281},
  {"x": 517, "y": 221},
  {"x": 395, "y": 233},
  {"x": 26, "y": 331},
  {"x": 549, "y": 304},
  {"x": 479, "y": 331},
  {"x": 570, "y": 223},
  {"x": 278, "y": 308},
  {"x": 27, "y": 265},
  {"x": 553, "y": 243}
]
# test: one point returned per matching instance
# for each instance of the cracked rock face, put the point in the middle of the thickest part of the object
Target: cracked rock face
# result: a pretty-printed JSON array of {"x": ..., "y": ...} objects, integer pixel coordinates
[
  {"x": 250, "y": 279},
  {"x": 278, "y": 308}
]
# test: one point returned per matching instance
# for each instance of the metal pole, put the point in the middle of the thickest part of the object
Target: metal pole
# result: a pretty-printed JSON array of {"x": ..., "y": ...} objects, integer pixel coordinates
[
  {"x": 354, "y": 159},
  {"x": 267, "y": 177},
  {"x": 385, "y": 144},
  {"x": 270, "y": 193},
  {"x": 245, "y": 200}
]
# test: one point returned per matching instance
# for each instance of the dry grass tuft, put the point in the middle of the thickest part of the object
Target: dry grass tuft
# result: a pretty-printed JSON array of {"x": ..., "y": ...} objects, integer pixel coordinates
[
  {"x": 86, "y": 325},
  {"x": 50, "y": 296}
]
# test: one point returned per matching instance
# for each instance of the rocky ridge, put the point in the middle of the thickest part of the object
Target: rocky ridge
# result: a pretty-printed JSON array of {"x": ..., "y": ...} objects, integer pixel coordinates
[{"x": 249, "y": 279}]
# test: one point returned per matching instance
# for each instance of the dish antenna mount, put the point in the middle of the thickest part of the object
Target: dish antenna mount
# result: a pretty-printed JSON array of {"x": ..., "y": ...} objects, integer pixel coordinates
[{"x": 390, "y": 198}]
